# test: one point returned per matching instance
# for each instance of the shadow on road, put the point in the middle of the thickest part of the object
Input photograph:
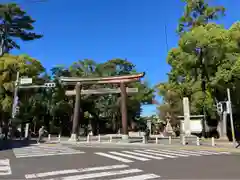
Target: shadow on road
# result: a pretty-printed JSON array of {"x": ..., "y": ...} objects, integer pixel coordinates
[{"x": 10, "y": 144}]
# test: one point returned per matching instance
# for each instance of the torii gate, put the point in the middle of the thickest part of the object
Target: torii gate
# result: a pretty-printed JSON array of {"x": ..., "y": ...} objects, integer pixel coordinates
[{"x": 78, "y": 82}]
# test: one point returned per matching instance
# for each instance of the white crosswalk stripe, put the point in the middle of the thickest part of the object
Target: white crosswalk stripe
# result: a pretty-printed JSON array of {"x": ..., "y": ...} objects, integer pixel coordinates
[
  {"x": 143, "y": 155},
  {"x": 44, "y": 150},
  {"x": 130, "y": 156},
  {"x": 176, "y": 153},
  {"x": 5, "y": 168},
  {"x": 184, "y": 153},
  {"x": 157, "y": 154},
  {"x": 114, "y": 157},
  {"x": 101, "y": 172}
]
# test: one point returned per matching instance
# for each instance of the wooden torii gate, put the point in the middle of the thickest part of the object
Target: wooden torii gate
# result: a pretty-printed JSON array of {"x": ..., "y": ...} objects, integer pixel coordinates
[{"x": 78, "y": 82}]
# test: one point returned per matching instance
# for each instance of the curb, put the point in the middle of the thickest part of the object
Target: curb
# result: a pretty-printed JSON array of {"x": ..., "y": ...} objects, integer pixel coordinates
[{"x": 220, "y": 149}]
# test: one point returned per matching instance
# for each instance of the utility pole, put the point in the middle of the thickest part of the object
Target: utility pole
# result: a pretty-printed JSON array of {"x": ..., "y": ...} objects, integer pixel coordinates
[{"x": 229, "y": 111}]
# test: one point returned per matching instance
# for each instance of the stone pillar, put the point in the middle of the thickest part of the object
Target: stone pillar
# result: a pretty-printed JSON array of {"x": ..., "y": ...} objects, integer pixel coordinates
[
  {"x": 186, "y": 111},
  {"x": 74, "y": 135},
  {"x": 124, "y": 111}
]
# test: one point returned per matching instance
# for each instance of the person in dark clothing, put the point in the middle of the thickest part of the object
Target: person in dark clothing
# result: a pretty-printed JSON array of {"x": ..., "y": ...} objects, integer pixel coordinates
[
  {"x": 147, "y": 133},
  {"x": 238, "y": 138},
  {"x": 5, "y": 131}
]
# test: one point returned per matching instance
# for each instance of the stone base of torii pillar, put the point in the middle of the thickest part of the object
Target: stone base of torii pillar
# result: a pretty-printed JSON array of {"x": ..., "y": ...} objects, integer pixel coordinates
[
  {"x": 73, "y": 138},
  {"x": 125, "y": 139}
]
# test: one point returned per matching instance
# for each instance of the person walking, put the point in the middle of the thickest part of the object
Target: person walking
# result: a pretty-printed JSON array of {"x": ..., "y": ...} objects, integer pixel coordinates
[
  {"x": 40, "y": 134},
  {"x": 147, "y": 133}
]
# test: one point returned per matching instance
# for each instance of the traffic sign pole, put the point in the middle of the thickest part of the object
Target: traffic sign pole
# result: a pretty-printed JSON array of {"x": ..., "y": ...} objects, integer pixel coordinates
[
  {"x": 19, "y": 84},
  {"x": 231, "y": 116},
  {"x": 45, "y": 85},
  {"x": 15, "y": 96}
]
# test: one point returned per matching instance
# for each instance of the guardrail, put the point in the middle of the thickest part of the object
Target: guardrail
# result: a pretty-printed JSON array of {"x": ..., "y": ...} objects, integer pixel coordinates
[{"x": 153, "y": 139}]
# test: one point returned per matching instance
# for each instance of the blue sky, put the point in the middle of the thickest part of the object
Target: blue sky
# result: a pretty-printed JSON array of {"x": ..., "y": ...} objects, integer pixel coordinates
[{"x": 106, "y": 29}]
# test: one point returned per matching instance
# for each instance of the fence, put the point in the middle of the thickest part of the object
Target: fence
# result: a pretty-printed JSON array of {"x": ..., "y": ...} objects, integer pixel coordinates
[{"x": 138, "y": 138}]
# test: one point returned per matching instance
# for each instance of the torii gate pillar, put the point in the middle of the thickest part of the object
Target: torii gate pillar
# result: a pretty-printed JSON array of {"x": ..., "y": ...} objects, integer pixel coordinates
[
  {"x": 75, "y": 124},
  {"x": 124, "y": 111}
]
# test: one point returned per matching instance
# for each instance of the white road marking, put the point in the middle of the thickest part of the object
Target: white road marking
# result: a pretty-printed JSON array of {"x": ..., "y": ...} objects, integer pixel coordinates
[
  {"x": 5, "y": 168},
  {"x": 208, "y": 152},
  {"x": 43, "y": 150},
  {"x": 47, "y": 154},
  {"x": 129, "y": 156},
  {"x": 4, "y": 162},
  {"x": 143, "y": 155},
  {"x": 114, "y": 157},
  {"x": 70, "y": 171},
  {"x": 191, "y": 153},
  {"x": 217, "y": 153},
  {"x": 156, "y": 154},
  {"x": 99, "y": 175},
  {"x": 118, "y": 172},
  {"x": 174, "y": 153},
  {"x": 149, "y": 154},
  {"x": 140, "y": 177},
  {"x": 202, "y": 152}
]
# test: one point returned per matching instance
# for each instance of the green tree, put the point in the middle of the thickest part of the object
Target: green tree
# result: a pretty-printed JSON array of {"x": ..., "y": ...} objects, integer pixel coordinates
[
  {"x": 198, "y": 13},
  {"x": 14, "y": 23},
  {"x": 206, "y": 60},
  {"x": 26, "y": 66},
  {"x": 54, "y": 109}
]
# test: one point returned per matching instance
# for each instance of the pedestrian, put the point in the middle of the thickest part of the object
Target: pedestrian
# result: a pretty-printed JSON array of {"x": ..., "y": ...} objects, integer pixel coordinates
[
  {"x": 147, "y": 133},
  {"x": 40, "y": 134},
  {"x": 29, "y": 134}
]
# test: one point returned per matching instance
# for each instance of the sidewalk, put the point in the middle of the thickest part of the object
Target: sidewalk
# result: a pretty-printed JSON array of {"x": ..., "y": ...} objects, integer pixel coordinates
[
  {"x": 147, "y": 145},
  {"x": 205, "y": 144}
]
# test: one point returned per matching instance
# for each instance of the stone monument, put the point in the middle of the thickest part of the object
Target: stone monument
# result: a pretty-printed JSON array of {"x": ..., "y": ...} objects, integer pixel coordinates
[{"x": 168, "y": 128}]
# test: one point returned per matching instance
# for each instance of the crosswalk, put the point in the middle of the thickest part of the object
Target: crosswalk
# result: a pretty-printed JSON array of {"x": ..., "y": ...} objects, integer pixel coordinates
[
  {"x": 150, "y": 154},
  {"x": 113, "y": 172},
  {"x": 5, "y": 168},
  {"x": 43, "y": 150}
]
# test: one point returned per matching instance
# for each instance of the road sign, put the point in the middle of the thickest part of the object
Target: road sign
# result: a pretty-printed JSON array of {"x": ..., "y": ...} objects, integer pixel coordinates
[
  {"x": 26, "y": 81},
  {"x": 102, "y": 91},
  {"x": 228, "y": 106}
]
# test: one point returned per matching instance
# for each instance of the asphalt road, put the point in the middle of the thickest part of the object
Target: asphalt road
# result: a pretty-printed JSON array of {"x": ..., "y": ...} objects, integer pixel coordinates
[{"x": 52, "y": 161}]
